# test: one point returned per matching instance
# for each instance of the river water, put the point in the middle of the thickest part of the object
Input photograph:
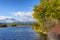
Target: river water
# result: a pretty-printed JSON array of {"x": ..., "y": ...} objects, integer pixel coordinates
[{"x": 18, "y": 33}]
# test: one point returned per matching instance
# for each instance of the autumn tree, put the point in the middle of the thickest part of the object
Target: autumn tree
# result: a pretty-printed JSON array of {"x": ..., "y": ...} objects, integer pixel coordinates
[{"x": 46, "y": 12}]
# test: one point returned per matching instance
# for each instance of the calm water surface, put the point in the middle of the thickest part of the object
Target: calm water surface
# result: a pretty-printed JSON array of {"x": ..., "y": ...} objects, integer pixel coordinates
[{"x": 18, "y": 33}]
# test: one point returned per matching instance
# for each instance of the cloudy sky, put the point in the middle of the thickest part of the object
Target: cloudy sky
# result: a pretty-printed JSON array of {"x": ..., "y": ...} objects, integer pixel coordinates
[{"x": 19, "y": 9}]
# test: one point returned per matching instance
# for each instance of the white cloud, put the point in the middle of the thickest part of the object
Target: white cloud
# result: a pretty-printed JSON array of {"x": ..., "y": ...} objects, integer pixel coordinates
[
  {"x": 20, "y": 16},
  {"x": 24, "y": 16},
  {"x": 4, "y": 17}
]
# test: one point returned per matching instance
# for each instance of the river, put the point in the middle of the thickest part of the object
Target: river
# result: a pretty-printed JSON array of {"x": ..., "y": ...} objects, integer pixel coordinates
[{"x": 18, "y": 33}]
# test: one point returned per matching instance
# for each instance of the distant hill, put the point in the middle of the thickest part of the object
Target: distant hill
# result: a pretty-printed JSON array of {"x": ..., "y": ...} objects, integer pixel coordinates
[{"x": 11, "y": 20}]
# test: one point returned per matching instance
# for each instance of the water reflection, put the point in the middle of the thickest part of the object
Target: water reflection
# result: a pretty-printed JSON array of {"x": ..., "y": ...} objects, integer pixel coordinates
[{"x": 18, "y": 33}]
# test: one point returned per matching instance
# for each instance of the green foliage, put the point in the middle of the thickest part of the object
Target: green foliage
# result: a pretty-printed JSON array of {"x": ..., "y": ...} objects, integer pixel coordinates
[
  {"x": 46, "y": 12},
  {"x": 47, "y": 9},
  {"x": 38, "y": 27}
]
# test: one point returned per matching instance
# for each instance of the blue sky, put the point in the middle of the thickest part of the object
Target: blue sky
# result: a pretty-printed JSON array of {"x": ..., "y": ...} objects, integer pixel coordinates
[{"x": 14, "y": 8}]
